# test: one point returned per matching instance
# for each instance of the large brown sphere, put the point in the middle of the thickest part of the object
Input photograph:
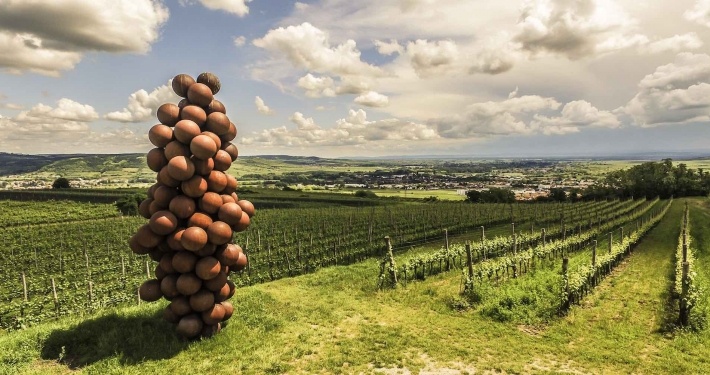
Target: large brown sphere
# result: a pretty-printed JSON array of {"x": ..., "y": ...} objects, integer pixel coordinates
[
  {"x": 228, "y": 309},
  {"x": 226, "y": 198},
  {"x": 231, "y": 150},
  {"x": 184, "y": 261},
  {"x": 168, "y": 114},
  {"x": 206, "y": 250},
  {"x": 203, "y": 147},
  {"x": 200, "y": 220},
  {"x": 166, "y": 263},
  {"x": 150, "y": 290},
  {"x": 213, "y": 315},
  {"x": 247, "y": 207},
  {"x": 159, "y": 273},
  {"x": 195, "y": 187},
  {"x": 210, "y": 330},
  {"x": 143, "y": 208},
  {"x": 163, "y": 194},
  {"x": 165, "y": 179},
  {"x": 228, "y": 254},
  {"x": 183, "y": 103},
  {"x": 181, "y": 168},
  {"x": 218, "y": 123},
  {"x": 182, "y": 206},
  {"x": 194, "y": 238},
  {"x": 156, "y": 159},
  {"x": 241, "y": 262},
  {"x": 211, "y": 80},
  {"x": 181, "y": 83},
  {"x": 175, "y": 149},
  {"x": 200, "y": 94},
  {"x": 180, "y": 305},
  {"x": 190, "y": 326},
  {"x": 163, "y": 223},
  {"x": 202, "y": 300},
  {"x": 203, "y": 167},
  {"x": 216, "y": 283},
  {"x": 160, "y": 135},
  {"x": 174, "y": 239},
  {"x": 185, "y": 130},
  {"x": 152, "y": 188},
  {"x": 216, "y": 181},
  {"x": 194, "y": 113},
  {"x": 243, "y": 223},
  {"x": 230, "y": 135},
  {"x": 219, "y": 233},
  {"x": 216, "y": 106},
  {"x": 154, "y": 207},
  {"x": 210, "y": 203},
  {"x": 169, "y": 316},
  {"x": 215, "y": 138},
  {"x": 207, "y": 268},
  {"x": 147, "y": 238},
  {"x": 188, "y": 284},
  {"x": 168, "y": 286},
  {"x": 230, "y": 213},
  {"x": 232, "y": 185},
  {"x": 223, "y": 293},
  {"x": 222, "y": 160},
  {"x": 137, "y": 248}
]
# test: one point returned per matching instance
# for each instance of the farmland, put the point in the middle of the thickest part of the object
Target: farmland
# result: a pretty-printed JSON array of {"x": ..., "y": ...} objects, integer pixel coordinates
[{"x": 319, "y": 279}]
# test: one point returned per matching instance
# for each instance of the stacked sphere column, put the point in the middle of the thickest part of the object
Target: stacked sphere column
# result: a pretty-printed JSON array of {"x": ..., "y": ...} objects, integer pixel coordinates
[{"x": 193, "y": 209}]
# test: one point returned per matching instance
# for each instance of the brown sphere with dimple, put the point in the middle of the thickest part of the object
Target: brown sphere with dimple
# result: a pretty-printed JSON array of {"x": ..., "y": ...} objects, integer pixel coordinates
[
  {"x": 216, "y": 181},
  {"x": 241, "y": 262},
  {"x": 194, "y": 238},
  {"x": 222, "y": 161},
  {"x": 216, "y": 283},
  {"x": 188, "y": 284},
  {"x": 200, "y": 220},
  {"x": 247, "y": 207},
  {"x": 232, "y": 185},
  {"x": 230, "y": 213},
  {"x": 150, "y": 290},
  {"x": 207, "y": 268},
  {"x": 202, "y": 300},
  {"x": 156, "y": 159},
  {"x": 211, "y": 81},
  {"x": 143, "y": 208},
  {"x": 218, "y": 123},
  {"x": 185, "y": 130},
  {"x": 194, "y": 113},
  {"x": 219, "y": 233},
  {"x": 203, "y": 167},
  {"x": 163, "y": 222},
  {"x": 165, "y": 178},
  {"x": 215, "y": 138},
  {"x": 190, "y": 326},
  {"x": 168, "y": 114},
  {"x": 180, "y": 305},
  {"x": 210, "y": 203},
  {"x": 200, "y": 94},
  {"x": 136, "y": 247},
  {"x": 203, "y": 147},
  {"x": 147, "y": 238},
  {"x": 195, "y": 187},
  {"x": 230, "y": 135},
  {"x": 213, "y": 315},
  {"x": 163, "y": 195},
  {"x": 174, "y": 238},
  {"x": 184, "y": 261},
  {"x": 181, "y": 168},
  {"x": 170, "y": 316},
  {"x": 226, "y": 198},
  {"x": 232, "y": 150},
  {"x": 181, "y": 83},
  {"x": 228, "y": 309},
  {"x": 216, "y": 106},
  {"x": 243, "y": 223},
  {"x": 175, "y": 149},
  {"x": 182, "y": 206},
  {"x": 228, "y": 254},
  {"x": 168, "y": 286},
  {"x": 160, "y": 135}
]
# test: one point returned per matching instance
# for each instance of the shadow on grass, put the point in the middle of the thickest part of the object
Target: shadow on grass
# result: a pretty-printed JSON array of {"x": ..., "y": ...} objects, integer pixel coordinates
[{"x": 130, "y": 339}]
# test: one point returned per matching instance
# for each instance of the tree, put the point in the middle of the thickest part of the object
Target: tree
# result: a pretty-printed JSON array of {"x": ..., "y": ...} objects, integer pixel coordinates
[
  {"x": 128, "y": 205},
  {"x": 61, "y": 183},
  {"x": 558, "y": 195},
  {"x": 492, "y": 195},
  {"x": 365, "y": 194}
]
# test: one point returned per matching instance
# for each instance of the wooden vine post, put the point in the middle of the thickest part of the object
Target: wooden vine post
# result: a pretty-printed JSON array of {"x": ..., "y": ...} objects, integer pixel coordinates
[
  {"x": 469, "y": 260},
  {"x": 388, "y": 270}
]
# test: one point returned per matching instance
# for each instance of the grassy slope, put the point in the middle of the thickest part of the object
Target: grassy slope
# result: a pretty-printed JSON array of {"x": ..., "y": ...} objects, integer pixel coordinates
[{"x": 334, "y": 321}]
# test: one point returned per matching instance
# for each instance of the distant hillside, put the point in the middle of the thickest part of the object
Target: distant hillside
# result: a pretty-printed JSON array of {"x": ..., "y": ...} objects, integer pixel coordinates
[
  {"x": 19, "y": 163},
  {"x": 95, "y": 163}
]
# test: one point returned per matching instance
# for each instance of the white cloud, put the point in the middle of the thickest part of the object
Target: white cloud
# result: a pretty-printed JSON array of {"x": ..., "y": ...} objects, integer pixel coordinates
[
  {"x": 389, "y": 48},
  {"x": 675, "y": 43},
  {"x": 316, "y": 87},
  {"x": 238, "y": 7},
  {"x": 700, "y": 13},
  {"x": 66, "y": 109},
  {"x": 678, "y": 92},
  {"x": 372, "y": 99},
  {"x": 50, "y": 36},
  {"x": 574, "y": 116},
  {"x": 262, "y": 107},
  {"x": 143, "y": 105},
  {"x": 239, "y": 41},
  {"x": 431, "y": 58}
]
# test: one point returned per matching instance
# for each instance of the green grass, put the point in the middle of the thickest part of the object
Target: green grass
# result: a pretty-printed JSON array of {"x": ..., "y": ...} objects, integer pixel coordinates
[{"x": 334, "y": 321}]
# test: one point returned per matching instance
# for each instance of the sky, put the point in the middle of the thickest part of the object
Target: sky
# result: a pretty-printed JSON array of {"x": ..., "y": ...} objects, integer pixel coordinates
[{"x": 367, "y": 78}]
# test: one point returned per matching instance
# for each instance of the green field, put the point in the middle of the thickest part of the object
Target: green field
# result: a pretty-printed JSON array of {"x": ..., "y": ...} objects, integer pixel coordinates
[{"x": 336, "y": 321}]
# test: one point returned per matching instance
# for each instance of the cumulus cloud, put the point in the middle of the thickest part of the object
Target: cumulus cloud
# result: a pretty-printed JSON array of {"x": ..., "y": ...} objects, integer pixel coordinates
[
  {"x": 429, "y": 58},
  {"x": 262, "y": 107},
  {"x": 678, "y": 92},
  {"x": 700, "y": 13},
  {"x": 238, "y": 7},
  {"x": 66, "y": 109},
  {"x": 142, "y": 105},
  {"x": 50, "y": 36},
  {"x": 389, "y": 48},
  {"x": 239, "y": 41},
  {"x": 575, "y": 28},
  {"x": 372, "y": 99},
  {"x": 316, "y": 87},
  {"x": 576, "y": 115}
]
